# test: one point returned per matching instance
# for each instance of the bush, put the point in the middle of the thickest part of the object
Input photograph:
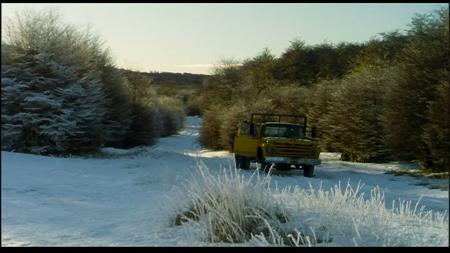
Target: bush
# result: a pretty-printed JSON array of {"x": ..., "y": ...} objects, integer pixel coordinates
[
  {"x": 56, "y": 71},
  {"x": 173, "y": 114},
  {"x": 424, "y": 65},
  {"x": 229, "y": 207},
  {"x": 318, "y": 98},
  {"x": 193, "y": 105},
  {"x": 373, "y": 102},
  {"x": 230, "y": 120},
  {"x": 436, "y": 135},
  {"x": 62, "y": 94},
  {"x": 119, "y": 117},
  {"x": 49, "y": 108},
  {"x": 235, "y": 208},
  {"x": 354, "y": 117},
  {"x": 153, "y": 115},
  {"x": 210, "y": 131}
]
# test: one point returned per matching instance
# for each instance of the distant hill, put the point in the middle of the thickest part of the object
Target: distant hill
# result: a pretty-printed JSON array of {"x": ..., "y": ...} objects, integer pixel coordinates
[{"x": 172, "y": 79}]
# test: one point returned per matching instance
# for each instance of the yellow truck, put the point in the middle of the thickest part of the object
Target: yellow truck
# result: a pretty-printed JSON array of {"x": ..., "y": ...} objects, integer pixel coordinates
[{"x": 277, "y": 140}]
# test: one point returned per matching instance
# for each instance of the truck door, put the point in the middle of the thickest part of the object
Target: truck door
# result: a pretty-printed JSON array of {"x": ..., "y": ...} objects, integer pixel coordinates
[{"x": 245, "y": 143}]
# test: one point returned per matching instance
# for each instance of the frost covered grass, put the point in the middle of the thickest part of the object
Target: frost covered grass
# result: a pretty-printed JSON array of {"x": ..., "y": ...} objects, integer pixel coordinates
[
  {"x": 419, "y": 173},
  {"x": 352, "y": 219},
  {"x": 232, "y": 208}
]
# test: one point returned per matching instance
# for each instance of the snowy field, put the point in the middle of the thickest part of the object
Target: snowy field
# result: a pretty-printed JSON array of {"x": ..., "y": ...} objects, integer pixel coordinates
[{"x": 129, "y": 197}]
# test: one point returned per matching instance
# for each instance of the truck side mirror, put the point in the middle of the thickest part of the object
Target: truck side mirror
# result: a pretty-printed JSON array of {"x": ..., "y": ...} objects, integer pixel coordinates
[{"x": 313, "y": 132}]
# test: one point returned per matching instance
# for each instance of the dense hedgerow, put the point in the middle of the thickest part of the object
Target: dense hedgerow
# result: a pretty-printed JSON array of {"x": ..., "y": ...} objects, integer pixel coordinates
[
  {"x": 374, "y": 102},
  {"x": 61, "y": 92}
]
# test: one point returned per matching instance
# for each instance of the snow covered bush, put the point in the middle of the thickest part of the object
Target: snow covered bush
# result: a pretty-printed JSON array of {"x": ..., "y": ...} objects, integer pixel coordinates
[
  {"x": 353, "y": 123},
  {"x": 48, "y": 107},
  {"x": 173, "y": 114},
  {"x": 53, "y": 98},
  {"x": 436, "y": 133},
  {"x": 193, "y": 104},
  {"x": 352, "y": 219},
  {"x": 153, "y": 115},
  {"x": 230, "y": 121},
  {"x": 146, "y": 126},
  {"x": 61, "y": 92},
  {"x": 119, "y": 116},
  {"x": 210, "y": 131},
  {"x": 45, "y": 32},
  {"x": 229, "y": 207}
]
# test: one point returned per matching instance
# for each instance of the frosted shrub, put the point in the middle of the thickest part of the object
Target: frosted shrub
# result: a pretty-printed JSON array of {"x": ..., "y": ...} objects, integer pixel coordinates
[
  {"x": 45, "y": 32},
  {"x": 144, "y": 128},
  {"x": 153, "y": 119},
  {"x": 172, "y": 113},
  {"x": 60, "y": 90},
  {"x": 352, "y": 124},
  {"x": 153, "y": 115},
  {"x": 230, "y": 120},
  {"x": 232, "y": 208},
  {"x": 210, "y": 131},
  {"x": 351, "y": 219},
  {"x": 118, "y": 118},
  {"x": 49, "y": 108}
]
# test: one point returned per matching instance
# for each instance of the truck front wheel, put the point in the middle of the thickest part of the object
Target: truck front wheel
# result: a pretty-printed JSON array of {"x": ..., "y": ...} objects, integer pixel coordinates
[{"x": 308, "y": 170}]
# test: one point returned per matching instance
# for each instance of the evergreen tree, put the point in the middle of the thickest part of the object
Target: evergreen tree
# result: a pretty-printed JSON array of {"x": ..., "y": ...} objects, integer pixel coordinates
[
  {"x": 436, "y": 133},
  {"x": 119, "y": 100},
  {"x": 354, "y": 122},
  {"x": 423, "y": 64},
  {"x": 47, "y": 108}
]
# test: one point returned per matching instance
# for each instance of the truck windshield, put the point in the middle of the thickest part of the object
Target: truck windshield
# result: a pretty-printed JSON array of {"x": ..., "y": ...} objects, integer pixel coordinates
[{"x": 280, "y": 130}]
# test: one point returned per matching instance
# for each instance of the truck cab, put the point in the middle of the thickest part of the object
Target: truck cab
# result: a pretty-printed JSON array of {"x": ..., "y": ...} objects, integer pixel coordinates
[{"x": 283, "y": 143}]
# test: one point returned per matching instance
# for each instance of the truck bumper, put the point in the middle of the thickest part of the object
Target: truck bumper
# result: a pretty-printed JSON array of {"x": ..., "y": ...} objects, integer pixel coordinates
[{"x": 290, "y": 160}]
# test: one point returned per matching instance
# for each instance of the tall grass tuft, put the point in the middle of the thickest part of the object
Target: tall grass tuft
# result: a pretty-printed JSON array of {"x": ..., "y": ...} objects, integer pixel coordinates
[{"x": 233, "y": 207}]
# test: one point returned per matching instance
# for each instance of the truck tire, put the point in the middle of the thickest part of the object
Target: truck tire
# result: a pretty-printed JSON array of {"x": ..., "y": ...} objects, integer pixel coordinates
[
  {"x": 242, "y": 162},
  {"x": 265, "y": 166},
  {"x": 308, "y": 170}
]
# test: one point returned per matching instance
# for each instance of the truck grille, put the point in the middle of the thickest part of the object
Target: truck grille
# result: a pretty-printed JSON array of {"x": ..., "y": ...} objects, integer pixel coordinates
[{"x": 292, "y": 150}]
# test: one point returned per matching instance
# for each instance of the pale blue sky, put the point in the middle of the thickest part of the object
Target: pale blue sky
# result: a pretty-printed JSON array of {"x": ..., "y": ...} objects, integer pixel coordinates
[{"x": 192, "y": 37}]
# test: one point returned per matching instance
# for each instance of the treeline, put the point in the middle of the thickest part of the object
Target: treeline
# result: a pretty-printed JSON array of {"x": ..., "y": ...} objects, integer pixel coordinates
[
  {"x": 385, "y": 99},
  {"x": 183, "y": 86},
  {"x": 181, "y": 79},
  {"x": 61, "y": 92}
]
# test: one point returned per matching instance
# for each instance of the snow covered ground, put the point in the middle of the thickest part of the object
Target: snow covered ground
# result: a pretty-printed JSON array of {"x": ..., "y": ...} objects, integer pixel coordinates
[{"x": 128, "y": 197}]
